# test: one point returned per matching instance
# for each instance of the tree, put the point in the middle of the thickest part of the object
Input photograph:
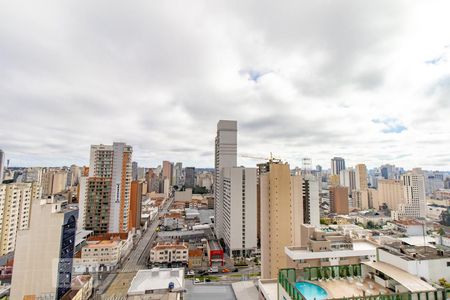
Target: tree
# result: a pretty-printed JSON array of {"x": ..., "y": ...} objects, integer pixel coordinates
[{"x": 444, "y": 283}]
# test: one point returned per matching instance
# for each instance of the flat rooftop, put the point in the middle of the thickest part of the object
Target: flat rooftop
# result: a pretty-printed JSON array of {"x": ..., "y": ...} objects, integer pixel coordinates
[
  {"x": 208, "y": 291},
  {"x": 409, "y": 252},
  {"x": 411, "y": 282},
  {"x": 269, "y": 288},
  {"x": 360, "y": 248},
  {"x": 245, "y": 290},
  {"x": 156, "y": 279}
]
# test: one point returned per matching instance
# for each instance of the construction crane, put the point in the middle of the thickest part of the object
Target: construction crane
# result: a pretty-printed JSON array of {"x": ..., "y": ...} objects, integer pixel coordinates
[{"x": 271, "y": 158}]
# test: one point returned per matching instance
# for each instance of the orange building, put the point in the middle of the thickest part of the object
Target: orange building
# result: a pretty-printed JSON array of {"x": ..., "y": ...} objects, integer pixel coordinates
[
  {"x": 339, "y": 200},
  {"x": 134, "y": 220}
]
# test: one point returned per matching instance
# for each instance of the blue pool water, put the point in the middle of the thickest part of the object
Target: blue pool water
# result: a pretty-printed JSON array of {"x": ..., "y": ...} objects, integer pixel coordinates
[{"x": 311, "y": 291}]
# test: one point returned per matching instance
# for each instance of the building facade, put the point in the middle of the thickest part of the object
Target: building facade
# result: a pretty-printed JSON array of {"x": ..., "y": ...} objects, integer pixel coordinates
[
  {"x": 415, "y": 205},
  {"x": 390, "y": 192},
  {"x": 337, "y": 165},
  {"x": 281, "y": 203},
  {"x": 169, "y": 253},
  {"x": 311, "y": 200},
  {"x": 15, "y": 209},
  {"x": 189, "y": 177},
  {"x": 239, "y": 210},
  {"x": 339, "y": 200},
  {"x": 44, "y": 252},
  {"x": 107, "y": 205},
  {"x": 225, "y": 156}
]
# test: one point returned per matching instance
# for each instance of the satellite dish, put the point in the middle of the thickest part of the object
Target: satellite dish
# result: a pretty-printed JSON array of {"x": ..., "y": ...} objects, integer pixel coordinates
[{"x": 171, "y": 285}]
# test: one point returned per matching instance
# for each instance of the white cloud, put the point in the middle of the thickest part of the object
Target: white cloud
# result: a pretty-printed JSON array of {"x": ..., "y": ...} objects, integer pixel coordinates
[{"x": 303, "y": 78}]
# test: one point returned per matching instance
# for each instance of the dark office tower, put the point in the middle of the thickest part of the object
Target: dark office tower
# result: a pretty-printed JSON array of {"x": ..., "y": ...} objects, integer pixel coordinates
[
  {"x": 189, "y": 177},
  {"x": 337, "y": 165}
]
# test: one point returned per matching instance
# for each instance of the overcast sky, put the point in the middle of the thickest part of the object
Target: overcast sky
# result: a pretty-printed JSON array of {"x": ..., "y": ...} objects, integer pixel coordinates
[{"x": 365, "y": 80}]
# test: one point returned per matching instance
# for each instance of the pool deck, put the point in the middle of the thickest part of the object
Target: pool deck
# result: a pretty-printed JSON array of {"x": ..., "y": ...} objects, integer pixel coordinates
[{"x": 341, "y": 288}]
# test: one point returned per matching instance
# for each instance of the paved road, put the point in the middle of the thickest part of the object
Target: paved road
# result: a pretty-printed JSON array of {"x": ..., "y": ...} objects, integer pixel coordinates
[{"x": 137, "y": 259}]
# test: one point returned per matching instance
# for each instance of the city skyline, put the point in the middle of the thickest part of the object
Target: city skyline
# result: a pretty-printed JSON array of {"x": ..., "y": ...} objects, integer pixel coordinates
[{"x": 371, "y": 87}]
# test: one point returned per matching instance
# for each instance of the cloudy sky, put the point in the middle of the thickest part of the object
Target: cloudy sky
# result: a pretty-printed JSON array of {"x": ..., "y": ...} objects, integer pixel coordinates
[{"x": 365, "y": 80}]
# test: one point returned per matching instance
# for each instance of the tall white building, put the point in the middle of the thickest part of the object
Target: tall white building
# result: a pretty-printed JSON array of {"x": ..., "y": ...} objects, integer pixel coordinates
[
  {"x": 15, "y": 207},
  {"x": 415, "y": 205},
  {"x": 225, "y": 156},
  {"x": 337, "y": 165},
  {"x": 348, "y": 179},
  {"x": 311, "y": 200},
  {"x": 239, "y": 210}
]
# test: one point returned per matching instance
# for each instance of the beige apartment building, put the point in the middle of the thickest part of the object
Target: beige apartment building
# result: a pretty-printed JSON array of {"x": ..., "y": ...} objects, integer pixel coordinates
[
  {"x": 166, "y": 253},
  {"x": 44, "y": 252},
  {"x": 339, "y": 200},
  {"x": 15, "y": 208},
  {"x": 54, "y": 182},
  {"x": 281, "y": 202},
  {"x": 105, "y": 253},
  {"x": 390, "y": 192},
  {"x": 361, "y": 177}
]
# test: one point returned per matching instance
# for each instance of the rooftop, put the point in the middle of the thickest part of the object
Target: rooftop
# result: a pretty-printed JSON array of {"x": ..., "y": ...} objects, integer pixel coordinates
[
  {"x": 411, "y": 282},
  {"x": 408, "y": 222},
  {"x": 195, "y": 252},
  {"x": 409, "y": 252},
  {"x": 169, "y": 245},
  {"x": 269, "y": 288},
  {"x": 101, "y": 244},
  {"x": 156, "y": 279},
  {"x": 360, "y": 248},
  {"x": 245, "y": 290}
]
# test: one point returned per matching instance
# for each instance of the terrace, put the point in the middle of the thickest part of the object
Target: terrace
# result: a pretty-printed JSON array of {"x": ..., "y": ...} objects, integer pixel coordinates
[{"x": 361, "y": 281}]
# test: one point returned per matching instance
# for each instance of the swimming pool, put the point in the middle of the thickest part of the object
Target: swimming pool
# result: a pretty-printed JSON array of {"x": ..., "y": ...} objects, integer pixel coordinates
[{"x": 311, "y": 291}]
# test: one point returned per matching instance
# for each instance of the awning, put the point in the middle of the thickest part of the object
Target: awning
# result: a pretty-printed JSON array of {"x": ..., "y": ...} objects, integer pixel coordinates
[{"x": 412, "y": 283}]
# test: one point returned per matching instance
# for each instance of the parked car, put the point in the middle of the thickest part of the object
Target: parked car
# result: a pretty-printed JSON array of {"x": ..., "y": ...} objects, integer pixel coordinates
[{"x": 225, "y": 270}]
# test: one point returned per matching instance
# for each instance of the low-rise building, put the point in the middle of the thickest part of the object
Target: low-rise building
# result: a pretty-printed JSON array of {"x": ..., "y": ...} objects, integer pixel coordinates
[
  {"x": 195, "y": 258},
  {"x": 409, "y": 227},
  {"x": 368, "y": 218},
  {"x": 173, "y": 221},
  {"x": 157, "y": 284},
  {"x": 102, "y": 252},
  {"x": 81, "y": 288},
  {"x": 320, "y": 248},
  {"x": 422, "y": 261},
  {"x": 98, "y": 256},
  {"x": 215, "y": 253},
  {"x": 382, "y": 276},
  {"x": 169, "y": 253}
]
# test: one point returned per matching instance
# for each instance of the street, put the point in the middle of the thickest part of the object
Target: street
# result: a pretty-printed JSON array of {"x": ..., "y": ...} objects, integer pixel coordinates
[{"x": 136, "y": 260}]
